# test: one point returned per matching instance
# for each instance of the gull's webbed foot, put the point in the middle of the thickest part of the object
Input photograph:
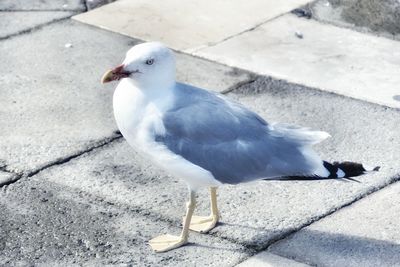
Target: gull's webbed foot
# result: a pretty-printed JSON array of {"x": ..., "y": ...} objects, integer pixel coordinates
[
  {"x": 203, "y": 224},
  {"x": 167, "y": 242}
]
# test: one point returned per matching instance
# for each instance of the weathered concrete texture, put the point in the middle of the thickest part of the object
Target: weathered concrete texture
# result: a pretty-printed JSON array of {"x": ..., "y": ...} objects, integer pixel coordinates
[
  {"x": 32, "y": 5},
  {"x": 51, "y": 93},
  {"x": 92, "y": 4},
  {"x": 207, "y": 74},
  {"x": 254, "y": 214},
  {"x": 326, "y": 57},
  {"x": 16, "y": 22},
  {"x": 364, "y": 234},
  {"x": 185, "y": 25},
  {"x": 46, "y": 223},
  {"x": 6, "y": 177},
  {"x": 373, "y": 15},
  {"x": 267, "y": 259}
]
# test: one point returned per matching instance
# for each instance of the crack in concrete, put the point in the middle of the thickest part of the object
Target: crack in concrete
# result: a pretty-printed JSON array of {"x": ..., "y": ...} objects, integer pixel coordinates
[
  {"x": 282, "y": 236},
  {"x": 212, "y": 44},
  {"x": 37, "y": 27},
  {"x": 15, "y": 178},
  {"x": 287, "y": 82},
  {"x": 5, "y": 168},
  {"x": 62, "y": 160},
  {"x": 252, "y": 78},
  {"x": 285, "y": 235}
]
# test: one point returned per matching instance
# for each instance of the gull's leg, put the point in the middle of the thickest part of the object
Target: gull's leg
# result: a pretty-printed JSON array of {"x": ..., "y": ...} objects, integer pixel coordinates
[
  {"x": 167, "y": 242},
  {"x": 203, "y": 224}
]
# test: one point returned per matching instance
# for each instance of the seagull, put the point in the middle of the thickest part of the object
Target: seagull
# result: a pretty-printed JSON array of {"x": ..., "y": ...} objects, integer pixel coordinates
[{"x": 205, "y": 138}]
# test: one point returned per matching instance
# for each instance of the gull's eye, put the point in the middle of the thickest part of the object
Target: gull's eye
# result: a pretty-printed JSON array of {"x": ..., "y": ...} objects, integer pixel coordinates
[{"x": 150, "y": 61}]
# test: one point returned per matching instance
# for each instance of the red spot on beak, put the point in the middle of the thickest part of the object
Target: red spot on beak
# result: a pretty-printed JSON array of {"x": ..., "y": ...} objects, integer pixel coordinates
[{"x": 115, "y": 74}]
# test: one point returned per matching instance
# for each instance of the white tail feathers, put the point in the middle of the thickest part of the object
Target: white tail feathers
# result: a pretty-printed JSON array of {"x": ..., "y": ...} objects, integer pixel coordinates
[{"x": 303, "y": 136}]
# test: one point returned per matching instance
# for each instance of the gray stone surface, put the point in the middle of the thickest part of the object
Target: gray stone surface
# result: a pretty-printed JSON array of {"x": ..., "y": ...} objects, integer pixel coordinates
[
  {"x": 92, "y": 4},
  {"x": 207, "y": 74},
  {"x": 364, "y": 234},
  {"x": 45, "y": 223},
  {"x": 52, "y": 97},
  {"x": 268, "y": 259},
  {"x": 42, "y": 5},
  {"x": 17, "y": 22},
  {"x": 361, "y": 132},
  {"x": 102, "y": 207},
  {"x": 326, "y": 57},
  {"x": 186, "y": 25},
  {"x": 253, "y": 214},
  {"x": 6, "y": 177},
  {"x": 378, "y": 16}
]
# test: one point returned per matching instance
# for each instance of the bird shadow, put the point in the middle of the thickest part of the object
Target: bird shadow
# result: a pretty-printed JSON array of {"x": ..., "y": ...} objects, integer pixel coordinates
[{"x": 337, "y": 249}]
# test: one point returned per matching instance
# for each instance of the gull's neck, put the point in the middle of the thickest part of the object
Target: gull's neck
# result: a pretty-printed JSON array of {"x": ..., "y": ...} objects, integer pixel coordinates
[{"x": 154, "y": 91}]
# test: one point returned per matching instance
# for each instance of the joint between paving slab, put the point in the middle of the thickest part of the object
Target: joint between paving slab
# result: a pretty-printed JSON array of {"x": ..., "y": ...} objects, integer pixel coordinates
[
  {"x": 60, "y": 161},
  {"x": 393, "y": 180},
  {"x": 98, "y": 144},
  {"x": 252, "y": 78},
  {"x": 195, "y": 50},
  {"x": 5, "y": 168},
  {"x": 38, "y": 27},
  {"x": 255, "y": 76},
  {"x": 260, "y": 76},
  {"x": 290, "y": 259},
  {"x": 15, "y": 178}
]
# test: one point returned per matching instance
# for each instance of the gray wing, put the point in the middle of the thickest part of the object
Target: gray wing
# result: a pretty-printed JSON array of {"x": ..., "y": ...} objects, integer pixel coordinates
[{"x": 233, "y": 143}]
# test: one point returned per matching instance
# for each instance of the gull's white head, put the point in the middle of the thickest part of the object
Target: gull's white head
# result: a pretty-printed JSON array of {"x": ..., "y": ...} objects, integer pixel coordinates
[{"x": 147, "y": 65}]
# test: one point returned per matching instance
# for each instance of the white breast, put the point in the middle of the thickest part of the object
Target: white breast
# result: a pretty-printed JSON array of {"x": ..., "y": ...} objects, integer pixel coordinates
[{"x": 139, "y": 119}]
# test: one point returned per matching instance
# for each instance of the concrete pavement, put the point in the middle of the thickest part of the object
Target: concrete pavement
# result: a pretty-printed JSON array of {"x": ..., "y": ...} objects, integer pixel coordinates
[
  {"x": 267, "y": 41},
  {"x": 77, "y": 194},
  {"x": 325, "y": 57},
  {"x": 363, "y": 234},
  {"x": 65, "y": 95},
  {"x": 42, "y": 5},
  {"x": 180, "y": 30}
]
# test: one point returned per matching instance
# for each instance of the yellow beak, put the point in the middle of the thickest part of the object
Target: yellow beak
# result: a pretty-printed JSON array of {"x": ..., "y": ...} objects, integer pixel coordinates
[{"x": 115, "y": 74}]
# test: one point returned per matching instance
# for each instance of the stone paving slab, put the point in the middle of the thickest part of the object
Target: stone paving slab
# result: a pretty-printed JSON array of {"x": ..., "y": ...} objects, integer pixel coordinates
[
  {"x": 48, "y": 224},
  {"x": 325, "y": 57},
  {"x": 363, "y": 234},
  {"x": 268, "y": 259},
  {"x": 17, "y": 22},
  {"x": 92, "y": 4},
  {"x": 185, "y": 25},
  {"x": 6, "y": 177},
  {"x": 254, "y": 214},
  {"x": 33, "y": 5},
  {"x": 52, "y": 102},
  {"x": 374, "y": 16}
]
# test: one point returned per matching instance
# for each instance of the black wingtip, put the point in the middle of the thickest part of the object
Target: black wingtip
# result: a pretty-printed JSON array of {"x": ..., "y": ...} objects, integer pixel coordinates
[{"x": 351, "y": 169}]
